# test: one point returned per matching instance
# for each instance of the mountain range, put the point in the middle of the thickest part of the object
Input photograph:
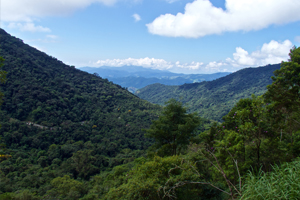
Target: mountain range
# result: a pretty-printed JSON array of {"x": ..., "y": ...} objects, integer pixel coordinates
[
  {"x": 69, "y": 133},
  {"x": 213, "y": 99},
  {"x": 135, "y": 77}
]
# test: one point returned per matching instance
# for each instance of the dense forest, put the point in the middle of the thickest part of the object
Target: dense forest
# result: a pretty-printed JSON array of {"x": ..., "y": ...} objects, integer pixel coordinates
[
  {"x": 67, "y": 134},
  {"x": 54, "y": 115},
  {"x": 213, "y": 99}
]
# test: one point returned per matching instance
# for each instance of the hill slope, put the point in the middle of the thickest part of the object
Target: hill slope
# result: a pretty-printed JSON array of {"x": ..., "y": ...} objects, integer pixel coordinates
[
  {"x": 52, "y": 107},
  {"x": 215, "y": 98}
]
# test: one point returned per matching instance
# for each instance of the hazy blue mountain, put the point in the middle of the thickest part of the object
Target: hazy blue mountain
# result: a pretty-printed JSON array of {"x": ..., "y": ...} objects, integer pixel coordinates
[
  {"x": 125, "y": 71},
  {"x": 135, "y": 77}
]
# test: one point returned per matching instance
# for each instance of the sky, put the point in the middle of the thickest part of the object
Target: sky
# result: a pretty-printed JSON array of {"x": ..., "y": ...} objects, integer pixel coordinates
[{"x": 184, "y": 36}]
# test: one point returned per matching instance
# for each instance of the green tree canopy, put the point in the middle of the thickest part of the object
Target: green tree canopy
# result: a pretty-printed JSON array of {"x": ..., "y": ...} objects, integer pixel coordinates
[
  {"x": 285, "y": 89},
  {"x": 174, "y": 128},
  {"x": 2, "y": 80}
]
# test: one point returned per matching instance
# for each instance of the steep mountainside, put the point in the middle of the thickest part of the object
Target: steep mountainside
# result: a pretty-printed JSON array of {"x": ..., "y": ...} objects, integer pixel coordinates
[
  {"x": 49, "y": 104},
  {"x": 213, "y": 99}
]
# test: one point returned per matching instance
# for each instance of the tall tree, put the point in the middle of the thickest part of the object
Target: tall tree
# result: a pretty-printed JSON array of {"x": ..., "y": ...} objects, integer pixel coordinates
[
  {"x": 174, "y": 128},
  {"x": 285, "y": 89},
  {"x": 284, "y": 94}
]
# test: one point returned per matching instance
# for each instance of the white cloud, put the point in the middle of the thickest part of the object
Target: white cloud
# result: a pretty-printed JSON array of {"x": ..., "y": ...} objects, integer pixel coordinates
[
  {"x": 144, "y": 62},
  {"x": 29, "y": 10},
  {"x": 136, "y": 17},
  {"x": 297, "y": 38},
  {"x": 270, "y": 53},
  {"x": 202, "y": 18},
  {"x": 152, "y": 63},
  {"x": 28, "y": 26},
  {"x": 22, "y": 14}
]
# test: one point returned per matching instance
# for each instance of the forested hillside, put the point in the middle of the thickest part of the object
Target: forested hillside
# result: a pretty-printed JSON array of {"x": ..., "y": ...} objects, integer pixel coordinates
[
  {"x": 58, "y": 120},
  {"x": 213, "y": 99},
  {"x": 66, "y": 134}
]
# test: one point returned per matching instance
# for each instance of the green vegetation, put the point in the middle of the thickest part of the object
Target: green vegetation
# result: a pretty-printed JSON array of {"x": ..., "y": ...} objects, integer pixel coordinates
[
  {"x": 57, "y": 120},
  {"x": 174, "y": 128},
  {"x": 2, "y": 80},
  {"x": 281, "y": 183},
  {"x": 213, "y": 99},
  {"x": 255, "y": 136},
  {"x": 73, "y": 135}
]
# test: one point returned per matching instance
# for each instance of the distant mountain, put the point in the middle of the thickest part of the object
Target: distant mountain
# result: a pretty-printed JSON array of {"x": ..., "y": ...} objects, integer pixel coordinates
[
  {"x": 134, "y": 77},
  {"x": 213, "y": 99},
  {"x": 125, "y": 71}
]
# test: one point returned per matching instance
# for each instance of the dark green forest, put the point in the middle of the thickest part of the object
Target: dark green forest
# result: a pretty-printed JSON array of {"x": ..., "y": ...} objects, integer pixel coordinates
[
  {"x": 54, "y": 115},
  {"x": 213, "y": 99},
  {"x": 67, "y": 134}
]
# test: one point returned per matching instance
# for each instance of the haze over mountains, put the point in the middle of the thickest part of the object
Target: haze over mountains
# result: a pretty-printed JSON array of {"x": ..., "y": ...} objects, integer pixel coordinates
[{"x": 135, "y": 77}]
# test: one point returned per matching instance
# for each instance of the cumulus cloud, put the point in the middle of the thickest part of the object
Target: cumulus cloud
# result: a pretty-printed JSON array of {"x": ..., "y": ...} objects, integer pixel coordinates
[
  {"x": 202, "y": 18},
  {"x": 29, "y": 26},
  {"x": 152, "y": 63},
  {"x": 26, "y": 10},
  {"x": 22, "y": 14},
  {"x": 136, "y": 17},
  {"x": 270, "y": 53}
]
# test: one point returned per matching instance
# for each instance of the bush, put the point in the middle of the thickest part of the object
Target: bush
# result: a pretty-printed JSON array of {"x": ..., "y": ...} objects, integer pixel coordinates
[{"x": 282, "y": 183}]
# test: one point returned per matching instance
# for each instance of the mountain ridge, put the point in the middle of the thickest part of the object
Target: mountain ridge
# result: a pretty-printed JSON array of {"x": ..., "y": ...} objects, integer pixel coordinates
[
  {"x": 135, "y": 77},
  {"x": 43, "y": 90},
  {"x": 213, "y": 99}
]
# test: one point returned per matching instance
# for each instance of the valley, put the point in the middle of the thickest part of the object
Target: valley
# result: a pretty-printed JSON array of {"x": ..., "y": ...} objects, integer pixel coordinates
[{"x": 70, "y": 134}]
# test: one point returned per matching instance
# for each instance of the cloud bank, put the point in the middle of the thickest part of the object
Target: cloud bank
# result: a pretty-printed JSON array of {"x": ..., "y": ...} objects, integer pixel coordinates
[
  {"x": 202, "y": 18},
  {"x": 27, "y": 10},
  {"x": 152, "y": 63},
  {"x": 270, "y": 53},
  {"x": 22, "y": 13}
]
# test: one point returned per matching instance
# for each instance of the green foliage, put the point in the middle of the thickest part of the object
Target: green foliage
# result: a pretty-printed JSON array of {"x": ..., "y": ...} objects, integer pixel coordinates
[
  {"x": 73, "y": 135},
  {"x": 281, "y": 183},
  {"x": 284, "y": 91},
  {"x": 150, "y": 180},
  {"x": 213, "y": 99},
  {"x": 66, "y": 188},
  {"x": 20, "y": 195},
  {"x": 57, "y": 120},
  {"x": 2, "y": 80},
  {"x": 174, "y": 128}
]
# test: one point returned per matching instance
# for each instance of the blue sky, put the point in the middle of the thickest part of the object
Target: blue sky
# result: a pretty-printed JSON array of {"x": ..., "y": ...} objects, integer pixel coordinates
[{"x": 187, "y": 36}]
